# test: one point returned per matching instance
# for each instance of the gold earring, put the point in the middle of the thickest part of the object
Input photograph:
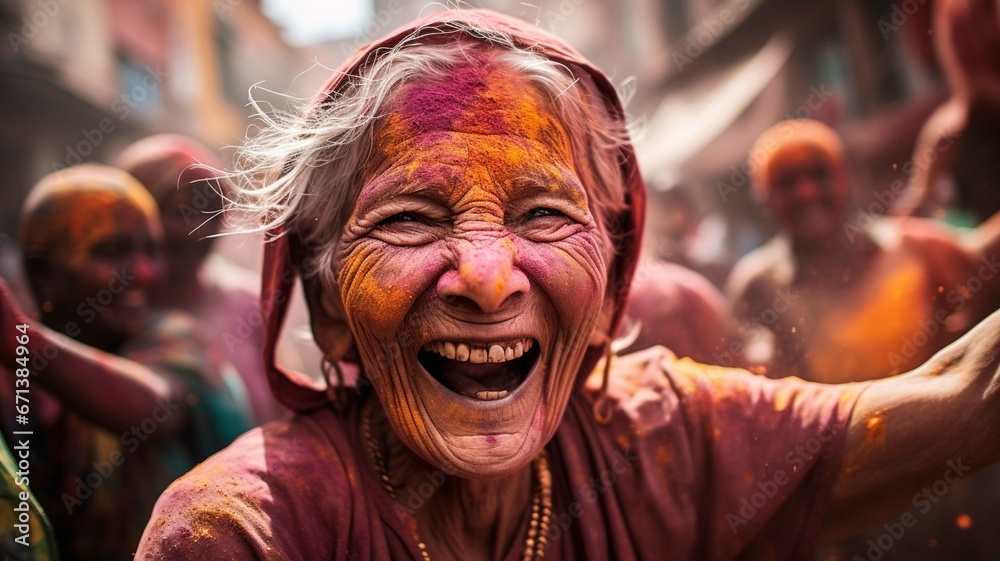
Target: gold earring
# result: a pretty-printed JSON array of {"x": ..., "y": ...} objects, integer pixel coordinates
[
  {"x": 338, "y": 399},
  {"x": 602, "y": 406}
]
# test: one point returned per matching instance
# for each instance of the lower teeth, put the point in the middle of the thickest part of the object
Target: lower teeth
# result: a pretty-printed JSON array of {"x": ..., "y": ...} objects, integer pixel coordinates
[{"x": 489, "y": 395}]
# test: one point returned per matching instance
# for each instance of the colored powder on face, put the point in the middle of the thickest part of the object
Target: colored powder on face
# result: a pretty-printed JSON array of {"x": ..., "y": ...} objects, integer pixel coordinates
[
  {"x": 479, "y": 99},
  {"x": 435, "y": 106},
  {"x": 379, "y": 298},
  {"x": 68, "y": 211},
  {"x": 72, "y": 224}
]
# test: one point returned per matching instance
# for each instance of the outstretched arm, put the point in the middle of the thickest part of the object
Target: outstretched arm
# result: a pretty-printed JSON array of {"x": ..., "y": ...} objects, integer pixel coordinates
[
  {"x": 938, "y": 422},
  {"x": 110, "y": 391}
]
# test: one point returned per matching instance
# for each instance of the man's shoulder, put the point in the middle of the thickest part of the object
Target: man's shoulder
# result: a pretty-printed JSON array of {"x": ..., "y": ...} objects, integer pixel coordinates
[{"x": 769, "y": 266}]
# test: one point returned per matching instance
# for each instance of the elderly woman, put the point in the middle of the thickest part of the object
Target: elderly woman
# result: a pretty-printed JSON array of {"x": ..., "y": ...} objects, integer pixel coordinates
[{"x": 465, "y": 209}]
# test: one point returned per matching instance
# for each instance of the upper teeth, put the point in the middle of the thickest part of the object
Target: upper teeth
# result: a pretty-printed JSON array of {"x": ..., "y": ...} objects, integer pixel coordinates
[{"x": 476, "y": 353}]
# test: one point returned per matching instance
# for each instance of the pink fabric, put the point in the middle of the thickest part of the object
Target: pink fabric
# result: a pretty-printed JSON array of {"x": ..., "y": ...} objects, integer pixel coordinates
[
  {"x": 687, "y": 445},
  {"x": 279, "y": 271}
]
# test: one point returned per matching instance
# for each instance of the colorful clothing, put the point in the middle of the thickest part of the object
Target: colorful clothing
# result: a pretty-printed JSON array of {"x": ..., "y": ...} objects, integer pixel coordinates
[
  {"x": 99, "y": 487},
  {"x": 27, "y": 534},
  {"x": 696, "y": 463}
]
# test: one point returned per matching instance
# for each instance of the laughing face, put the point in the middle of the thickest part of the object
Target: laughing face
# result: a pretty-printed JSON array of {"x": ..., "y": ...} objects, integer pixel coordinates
[
  {"x": 807, "y": 191},
  {"x": 473, "y": 270}
]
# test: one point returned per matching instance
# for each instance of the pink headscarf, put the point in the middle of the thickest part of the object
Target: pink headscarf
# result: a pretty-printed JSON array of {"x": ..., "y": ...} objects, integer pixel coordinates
[{"x": 280, "y": 270}]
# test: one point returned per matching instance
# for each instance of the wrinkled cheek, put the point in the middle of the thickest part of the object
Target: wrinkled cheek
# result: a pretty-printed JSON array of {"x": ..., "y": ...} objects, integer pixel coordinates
[
  {"x": 372, "y": 296},
  {"x": 379, "y": 287},
  {"x": 573, "y": 277}
]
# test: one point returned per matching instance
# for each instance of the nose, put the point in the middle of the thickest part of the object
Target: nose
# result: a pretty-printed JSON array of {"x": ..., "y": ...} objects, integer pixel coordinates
[
  {"x": 485, "y": 277},
  {"x": 807, "y": 188},
  {"x": 146, "y": 269}
]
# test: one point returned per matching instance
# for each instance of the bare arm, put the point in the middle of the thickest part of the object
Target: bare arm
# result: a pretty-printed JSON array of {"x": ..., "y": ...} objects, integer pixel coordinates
[
  {"x": 932, "y": 157},
  {"x": 938, "y": 422},
  {"x": 107, "y": 390}
]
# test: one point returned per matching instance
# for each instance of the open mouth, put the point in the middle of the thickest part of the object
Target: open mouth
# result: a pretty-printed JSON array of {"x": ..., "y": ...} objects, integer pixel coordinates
[{"x": 486, "y": 372}]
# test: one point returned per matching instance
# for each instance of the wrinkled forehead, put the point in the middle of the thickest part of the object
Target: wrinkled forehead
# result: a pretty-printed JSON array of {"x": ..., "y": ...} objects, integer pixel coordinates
[{"x": 476, "y": 97}]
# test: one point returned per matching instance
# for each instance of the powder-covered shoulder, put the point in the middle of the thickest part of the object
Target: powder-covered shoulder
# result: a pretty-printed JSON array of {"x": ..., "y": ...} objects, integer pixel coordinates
[
  {"x": 703, "y": 440},
  {"x": 271, "y": 494},
  {"x": 647, "y": 386}
]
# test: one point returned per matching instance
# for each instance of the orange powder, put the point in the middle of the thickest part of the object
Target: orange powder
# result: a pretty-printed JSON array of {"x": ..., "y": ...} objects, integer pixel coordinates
[{"x": 68, "y": 211}]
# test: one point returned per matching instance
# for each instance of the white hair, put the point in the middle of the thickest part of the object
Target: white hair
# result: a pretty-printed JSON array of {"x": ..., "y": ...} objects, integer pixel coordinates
[{"x": 305, "y": 172}]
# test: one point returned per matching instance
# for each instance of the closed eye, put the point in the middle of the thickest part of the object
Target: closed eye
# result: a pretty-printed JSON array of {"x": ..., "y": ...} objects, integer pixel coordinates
[
  {"x": 408, "y": 228},
  {"x": 541, "y": 212},
  {"x": 401, "y": 217}
]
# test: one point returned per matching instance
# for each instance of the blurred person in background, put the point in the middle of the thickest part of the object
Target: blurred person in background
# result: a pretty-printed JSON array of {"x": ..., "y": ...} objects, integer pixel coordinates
[
  {"x": 956, "y": 162},
  {"x": 841, "y": 302},
  {"x": 679, "y": 232},
  {"x": 128, "y": 399},
  {"x": 677, "y": 308},
  {"x": 838, "y": 298},
  {"x": 182, "y": 175}
]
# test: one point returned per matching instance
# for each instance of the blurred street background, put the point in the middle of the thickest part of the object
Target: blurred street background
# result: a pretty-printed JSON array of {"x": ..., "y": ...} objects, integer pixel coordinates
[{"x": 84, "y": 78}]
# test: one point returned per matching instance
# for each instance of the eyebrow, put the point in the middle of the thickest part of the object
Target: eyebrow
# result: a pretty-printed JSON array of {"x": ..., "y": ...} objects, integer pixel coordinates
[{"x": 439, "y": 183}]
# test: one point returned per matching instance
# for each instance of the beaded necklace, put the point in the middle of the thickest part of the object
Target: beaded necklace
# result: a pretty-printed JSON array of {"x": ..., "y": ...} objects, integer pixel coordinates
[{"x": 541, "y": 502}]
